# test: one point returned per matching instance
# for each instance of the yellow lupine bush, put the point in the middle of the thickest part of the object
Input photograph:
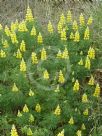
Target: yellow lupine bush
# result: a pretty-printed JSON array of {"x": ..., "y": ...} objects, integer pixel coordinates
[{"x": 50, "y": 79}]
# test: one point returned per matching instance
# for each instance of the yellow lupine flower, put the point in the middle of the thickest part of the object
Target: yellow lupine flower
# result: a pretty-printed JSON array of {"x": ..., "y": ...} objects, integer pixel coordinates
[
  {"x": 22, "y": 65},
  {"x": 63, "y": 35},
  {"x": 57, "y": 89},
  {"x": 14, "y": 88},
  {"x": 76, "y": 86},
  {"x": 69, "y": 17},
  {"x": 75, "y": 25},
  {"x": 33, "y": 31},
  {"x": 23, "y": 46},
  {"x": 59, "y": 27},
  {"x": 40, "y": 39},
  {"x": 19, "y": 114},
  {"x": 14, "y": 38},
  {"x": 97, "y": 91},
  {"x": 84, "y": 98},
  {"x": 90, "y": 20},
  {"x": 71, "y": 121},
  {"x": 31, "y": 93},
  {"x": 50, "y": 27},
  {"x": 83, "y": 126},
  {"x": 14, "y": 131},
  {"x": 18, "y": 54},
  {"x": 57, "y": 111},
  {"x": 31, "y": 118},
  {"x": 25, "y": 108},
  {"x": 61, "y": 133},
  {"x": 38, "y": 108},
  {"x": 46, "y": 74},
  {"x": 7, "y": 31},
  {"x": 59, "y": 54},
  {"x": 61, "y": 78},
  {"x": 81, "y": 19},
  {"x": 13, "y": 27},
  {"x": 5, "y": 44},
  {"x": 73, "y": 80},
  {"x": 1, "y": 27},
  {"x": 80, "y": 62},
  {"x": 43, "y": 54},
  {"x": 86, "y": 112},
  {"x": 91, "y": 53},
  {"x": 87, "y": 63},
  {"x": 29, "y": 15},
  {"x": 65, "y": 54},
  {"x": 62, "y": 19},
  {"x": 34, "y": 58},
  {"x": 87, "y": 34},
  {"x": 22, "y": 27},
  {"x": 77, "y": 36},
  {"x": 79, "y": 133},
  {"x": 71, "y": 36},
  {"x": 91, "y": 80},
  {"x": 29, "y": 132},
  {"x": 2, "y": 54}
]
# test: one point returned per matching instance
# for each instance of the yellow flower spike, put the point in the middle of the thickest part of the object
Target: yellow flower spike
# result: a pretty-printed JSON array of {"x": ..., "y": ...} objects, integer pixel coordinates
[
  {"x": 91, "y": 80},
  {"x": 59, "y": 27},
  {"x": 69, "y": 17},
  {"x": 97, "y": 91},
  {"x": 91, "y": 53},
  {"x": 5, "y": 44},
  {"x": 86, "y": 112},
  {"x": 18, "y": 54},
  {"x": 14, "y": 131},
  {"x": 7, "y": 31},
  {"x": 14, "y": 88},
  {"x": 46, "y": 75},
  {"x": 43, "y": 54},
  {"x": 80, "y": 62},
  {"x": 25, "y": 108},
  {"x": 90, "y": 20},
  {"x": 84, "y": 98},
  {"x": 23, "y": 66},
  {"x": 1, "y": 27},
  {"x": 38, "y": 108},
  {"x": 33, "y": 31},
  {"x": 34, "y": 58},
  {"x": 50, "y": 27},
  {"x": 13, "y": 27},
  {"x": 31, "y": 93},
  {"x": 63, "y": 35},
  {"x": 40, "y": 39},
  {"x": 71, "y": 121},
  {"x": 87, "y": 34},
  {"x": 65, "y": 54},
  {"x": 87, "y": 63},
  {"x": 23, "y": 46},
  {"x": 2, "y": 54},
  {"x": 57, "y": 89},
  {"x": 61, "y": 133},
  {"x": 19, "y": 114},
  {"x": 29, "y": 15},
  {"x": 62, "y": 19},
  {"x": 29, "y": 132},
  {"x": 22, "y": 27},
  {"x": 71, "y": 36},
  {"x": 73, "y": 80},
  {"x": 77, "y": 36},
  {"x": 83, "y": 126},
  {"x": 14, "y": 38},
  {"x": 76, "y": 86},
  {"x": 79, "y": 133},
  {"x": 59, "y": 54},
  {"x": 81, "y": 19},
  {"x": 16, "y": 24},
  {"x": 61, "y": 78},
  {"x": 75, "y": 25},
  {"x": 57, "y": 111},
  {"x": 31, "y": 118}
]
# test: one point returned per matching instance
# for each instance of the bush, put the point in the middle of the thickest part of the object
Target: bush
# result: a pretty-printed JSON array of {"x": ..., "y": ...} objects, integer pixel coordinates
[{"x": 47, "y": 83}]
